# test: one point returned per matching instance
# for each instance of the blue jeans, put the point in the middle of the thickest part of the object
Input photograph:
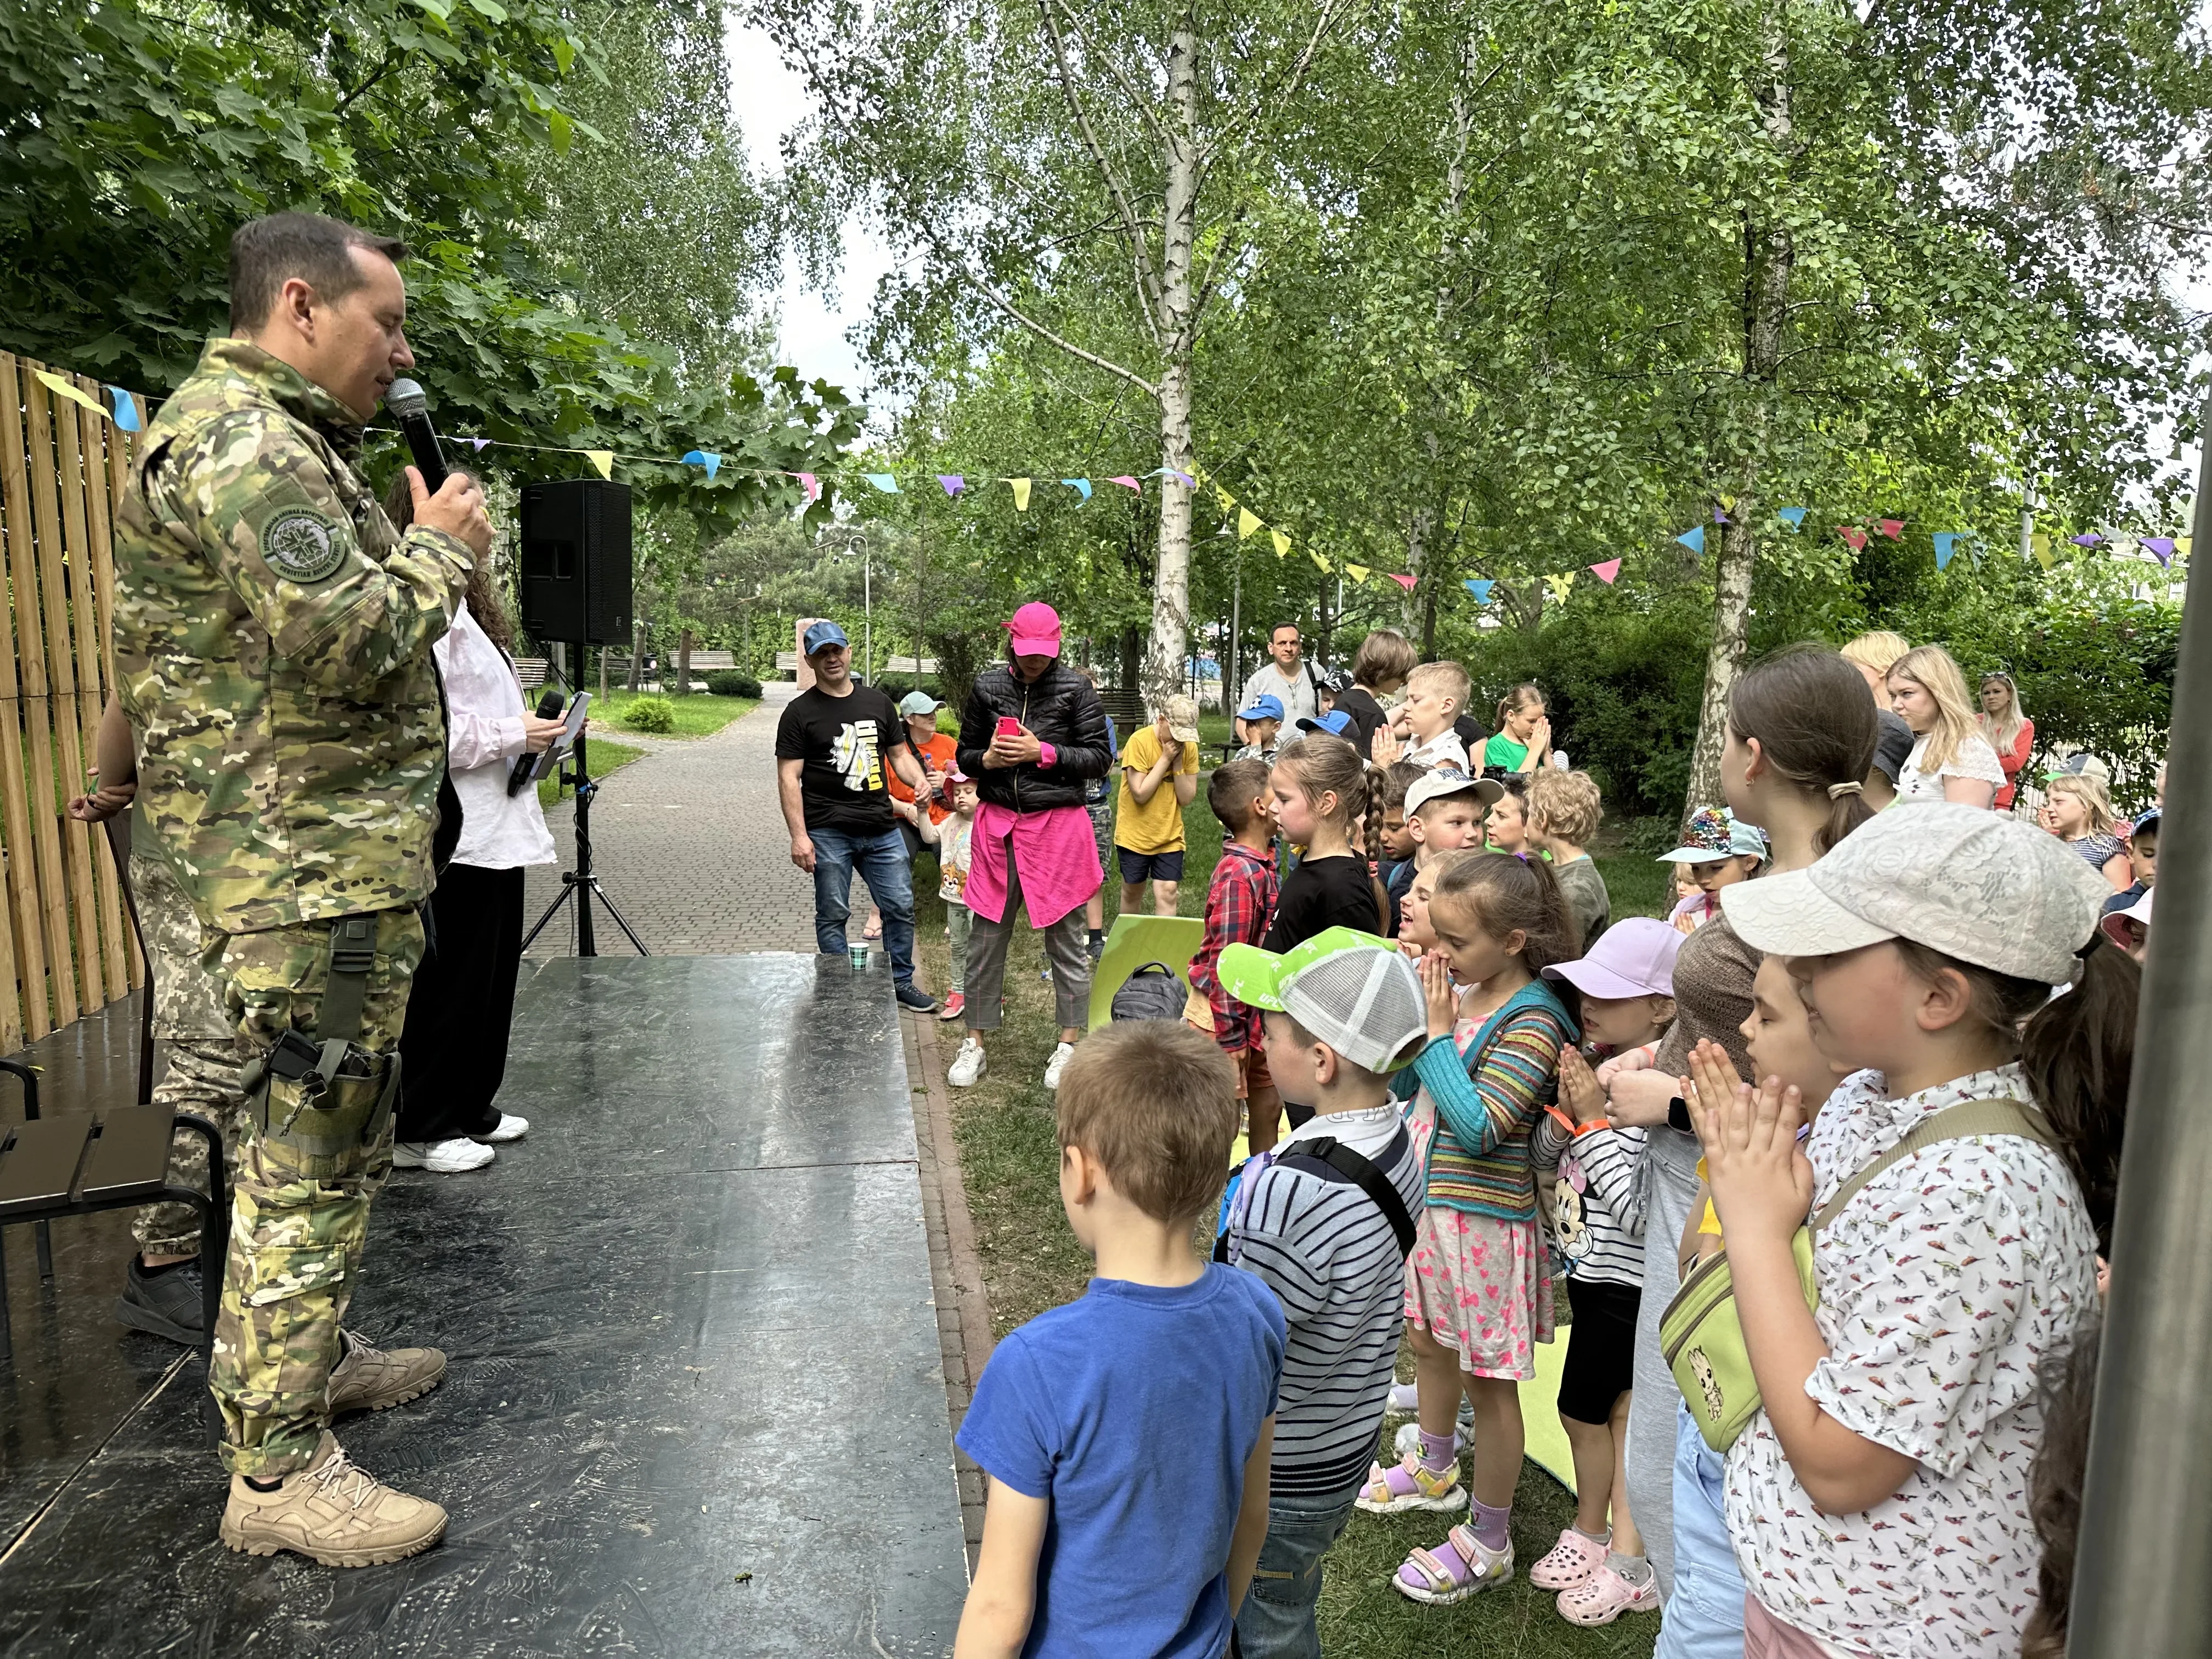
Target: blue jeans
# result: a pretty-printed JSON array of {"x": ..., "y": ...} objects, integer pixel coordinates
[
  {"x": 1704, "y": 1618},
  {"x": 882, "y": 861},
  {"x": 1276, "y": 1618}
]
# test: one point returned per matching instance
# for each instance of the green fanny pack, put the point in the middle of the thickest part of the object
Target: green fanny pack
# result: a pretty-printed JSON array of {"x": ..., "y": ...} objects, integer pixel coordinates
[{"x": 1699, "y": 1335}]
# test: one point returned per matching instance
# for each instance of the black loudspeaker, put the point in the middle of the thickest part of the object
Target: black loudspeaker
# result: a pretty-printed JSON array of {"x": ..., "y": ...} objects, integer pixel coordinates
[{"x": 575, "y": 563}]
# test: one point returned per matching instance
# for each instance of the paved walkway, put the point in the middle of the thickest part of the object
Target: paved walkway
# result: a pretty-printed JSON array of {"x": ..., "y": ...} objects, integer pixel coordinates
[{"x": 689, "y": 843}]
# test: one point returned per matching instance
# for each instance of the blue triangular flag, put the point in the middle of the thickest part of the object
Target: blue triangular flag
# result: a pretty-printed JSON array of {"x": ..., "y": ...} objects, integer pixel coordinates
[
  {"x": 705, "y": 457},
  {"x": 1694, "y": 539},
  {"x": 1080, "y": 486},
  {"x": 953, "y": 482},
  {"x": 126, "y": 408},
  {"x": 1480, "y": 589},
  {"x": 1946, "y": 547},
  {"x": 1793, "y": 516},
  {"x": 883, "y": 481}
]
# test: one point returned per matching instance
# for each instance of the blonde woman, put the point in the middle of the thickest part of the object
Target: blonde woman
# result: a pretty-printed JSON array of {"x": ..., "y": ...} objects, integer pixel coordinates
[
  {"x": 1872, "y": 655},
  {"x": 1951, "y": 760},
  {"x": 2010, "y": 731},
  {"x": 2077, "y": 810}
]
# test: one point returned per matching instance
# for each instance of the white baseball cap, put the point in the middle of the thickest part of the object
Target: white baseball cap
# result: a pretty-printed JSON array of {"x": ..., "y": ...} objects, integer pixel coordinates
[
  {"x": 1979, "y": 886},
  {"x": 1351, "y": 989},
  {"x": 1445, "y": 782}
]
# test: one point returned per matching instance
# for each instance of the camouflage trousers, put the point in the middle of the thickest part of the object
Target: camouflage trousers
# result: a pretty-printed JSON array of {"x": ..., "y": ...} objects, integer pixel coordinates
[
  {"x": 298, "y": 1215},
  {"x": 199, "y": 1046}
]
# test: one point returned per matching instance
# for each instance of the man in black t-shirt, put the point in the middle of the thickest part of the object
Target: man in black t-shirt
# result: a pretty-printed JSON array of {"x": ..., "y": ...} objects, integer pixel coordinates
[{"x": 831, "y": 747}]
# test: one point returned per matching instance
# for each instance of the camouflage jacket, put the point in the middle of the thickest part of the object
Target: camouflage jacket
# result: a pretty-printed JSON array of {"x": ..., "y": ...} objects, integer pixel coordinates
[{"x": 272, "y": 647}]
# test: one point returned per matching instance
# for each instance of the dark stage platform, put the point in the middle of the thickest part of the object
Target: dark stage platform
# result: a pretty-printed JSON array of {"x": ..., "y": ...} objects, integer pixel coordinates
[{"x": 696, "y": 1404}]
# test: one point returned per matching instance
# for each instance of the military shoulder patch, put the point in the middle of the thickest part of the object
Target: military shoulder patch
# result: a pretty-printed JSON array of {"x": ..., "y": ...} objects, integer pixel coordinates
[{"x": 298, "y": 545}]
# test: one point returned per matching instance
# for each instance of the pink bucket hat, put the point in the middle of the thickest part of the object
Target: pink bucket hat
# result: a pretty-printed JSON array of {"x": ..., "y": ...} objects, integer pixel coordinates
[{"x": 1036, "y": 628}]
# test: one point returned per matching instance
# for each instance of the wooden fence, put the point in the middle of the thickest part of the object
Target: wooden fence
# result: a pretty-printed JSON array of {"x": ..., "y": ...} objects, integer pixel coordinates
[{"x": 65, "y": 948}]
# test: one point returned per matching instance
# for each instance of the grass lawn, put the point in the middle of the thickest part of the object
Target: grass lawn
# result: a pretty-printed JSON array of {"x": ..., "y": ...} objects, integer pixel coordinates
[
  {"x": 602, "y": 755},
  {"x": 1009, "y": 1160},
  {"x": 696, "y": 716}
]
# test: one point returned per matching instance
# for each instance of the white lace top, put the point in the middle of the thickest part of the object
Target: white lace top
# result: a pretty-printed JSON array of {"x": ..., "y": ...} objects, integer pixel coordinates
[
  {"x": 1975, "y": 759},
  {"x": 1945, "y": 1286}
]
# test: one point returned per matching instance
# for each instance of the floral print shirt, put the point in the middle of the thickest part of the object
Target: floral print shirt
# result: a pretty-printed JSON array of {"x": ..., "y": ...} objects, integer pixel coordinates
[{"x": 1946, "y": 1285}]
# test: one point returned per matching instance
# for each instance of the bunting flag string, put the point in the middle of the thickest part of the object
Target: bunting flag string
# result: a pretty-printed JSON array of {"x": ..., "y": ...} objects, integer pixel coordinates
[{"x": 123, "y": 408}]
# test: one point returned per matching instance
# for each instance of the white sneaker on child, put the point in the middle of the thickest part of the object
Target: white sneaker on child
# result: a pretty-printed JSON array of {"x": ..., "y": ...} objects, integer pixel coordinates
[
  {"x": 1057, "y": 1064},
  {"x": 967, "y": 1065}
]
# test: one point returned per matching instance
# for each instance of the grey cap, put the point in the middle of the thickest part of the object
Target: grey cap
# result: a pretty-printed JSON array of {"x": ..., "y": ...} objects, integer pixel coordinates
[
  {"x": 916, "y": 703},
  {"x": 1979, "y": 886}
]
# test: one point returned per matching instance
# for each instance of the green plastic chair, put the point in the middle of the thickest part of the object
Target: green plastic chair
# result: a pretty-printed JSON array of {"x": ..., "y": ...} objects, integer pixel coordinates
[{"x": 1135, "y": 941}]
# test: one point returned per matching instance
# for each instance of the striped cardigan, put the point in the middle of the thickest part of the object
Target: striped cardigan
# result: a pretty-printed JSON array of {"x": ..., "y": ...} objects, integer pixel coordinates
[{"x": 1487, "y": 1102}]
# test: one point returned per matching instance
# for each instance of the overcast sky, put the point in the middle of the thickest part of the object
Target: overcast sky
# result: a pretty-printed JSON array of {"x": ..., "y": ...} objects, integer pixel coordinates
[{"x": 770, "y": 99}]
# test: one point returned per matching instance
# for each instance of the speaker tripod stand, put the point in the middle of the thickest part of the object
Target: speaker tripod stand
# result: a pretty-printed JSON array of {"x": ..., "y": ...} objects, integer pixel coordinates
[{"x": 581, "y": 884}]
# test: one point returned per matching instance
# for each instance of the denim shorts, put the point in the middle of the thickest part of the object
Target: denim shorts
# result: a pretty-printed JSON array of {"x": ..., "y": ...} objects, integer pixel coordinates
[{"x": 1150, "y": 866}]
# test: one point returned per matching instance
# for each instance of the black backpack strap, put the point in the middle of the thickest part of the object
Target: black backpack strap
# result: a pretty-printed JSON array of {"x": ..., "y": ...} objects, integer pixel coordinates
[{"x": 1352, "y": 1167}]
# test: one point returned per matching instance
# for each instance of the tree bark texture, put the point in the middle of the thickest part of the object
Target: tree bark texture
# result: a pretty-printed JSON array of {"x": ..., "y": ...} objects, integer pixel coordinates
[
  {"x": 1769, "y": 254},
  {"x": 1178, "y": 330}
]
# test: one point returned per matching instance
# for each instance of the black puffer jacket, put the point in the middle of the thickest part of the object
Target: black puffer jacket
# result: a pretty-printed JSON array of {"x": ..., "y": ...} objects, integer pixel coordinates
[{"x": 1062, "y": 708}]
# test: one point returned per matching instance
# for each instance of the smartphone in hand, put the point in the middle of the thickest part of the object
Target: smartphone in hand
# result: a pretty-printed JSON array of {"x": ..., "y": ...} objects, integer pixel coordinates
[{"x": 1008, "y": 726}]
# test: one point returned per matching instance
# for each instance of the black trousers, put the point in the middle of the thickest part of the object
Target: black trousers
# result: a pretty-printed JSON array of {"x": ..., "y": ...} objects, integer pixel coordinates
[{"x": 453, "y": 1050}]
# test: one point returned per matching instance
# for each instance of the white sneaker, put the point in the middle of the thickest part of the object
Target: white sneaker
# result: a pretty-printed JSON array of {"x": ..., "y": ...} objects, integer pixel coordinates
[
  {"x": 1057, "y": 1064},
  {"x": 440, "y": 1156},
  {"x": 511, "y": 1128},
  {"x": 967, "y": 1065}
]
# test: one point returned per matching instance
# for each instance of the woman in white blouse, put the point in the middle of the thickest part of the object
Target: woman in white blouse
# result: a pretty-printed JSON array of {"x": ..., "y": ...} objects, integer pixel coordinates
[
  {"x": 1951, "y": 760},
  {"x": 453, "y": 1049}
]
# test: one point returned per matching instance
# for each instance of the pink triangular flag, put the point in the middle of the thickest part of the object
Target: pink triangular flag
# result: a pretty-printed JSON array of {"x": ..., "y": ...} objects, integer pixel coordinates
[
  {"x": 1892, "y": 528},
  {"x": 1405, "y": 583},
  {"x": 1852, "y": 534},
  {"x": 813, "y": 489},
  {"x": 1127, "y": 482},
  {"x": 1606, "y": 572}
]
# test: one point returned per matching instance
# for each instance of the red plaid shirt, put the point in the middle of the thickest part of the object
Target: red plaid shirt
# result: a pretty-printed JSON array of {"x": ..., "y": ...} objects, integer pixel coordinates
[{"x": 1239, "y": 902}]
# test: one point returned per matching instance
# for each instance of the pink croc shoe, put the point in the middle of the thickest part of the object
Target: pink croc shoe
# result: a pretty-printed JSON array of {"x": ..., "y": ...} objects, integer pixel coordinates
[
  {"x": 1571, "y": 1561},
  {"x": 1605, "y": 1596}
]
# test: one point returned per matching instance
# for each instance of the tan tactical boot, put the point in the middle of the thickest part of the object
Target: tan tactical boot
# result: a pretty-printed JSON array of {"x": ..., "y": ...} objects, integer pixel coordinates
[
  {"x": 332, "y": 1513},
  {"x": 370, "y": 1380}
]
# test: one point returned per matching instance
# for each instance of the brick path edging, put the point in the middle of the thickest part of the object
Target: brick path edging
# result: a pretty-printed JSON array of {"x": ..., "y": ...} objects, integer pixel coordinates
[{"x": 963, "y": 1312}]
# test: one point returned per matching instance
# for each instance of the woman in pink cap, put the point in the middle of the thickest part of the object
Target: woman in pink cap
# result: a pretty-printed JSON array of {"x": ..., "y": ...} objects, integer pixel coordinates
[{"x": 1032, "y": 736}]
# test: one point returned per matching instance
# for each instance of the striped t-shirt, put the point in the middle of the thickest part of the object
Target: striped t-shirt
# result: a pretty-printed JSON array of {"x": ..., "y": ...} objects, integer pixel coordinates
[
  {"x": 1332, "y": 1258},
  {"x": 1597, "y": 1207}
]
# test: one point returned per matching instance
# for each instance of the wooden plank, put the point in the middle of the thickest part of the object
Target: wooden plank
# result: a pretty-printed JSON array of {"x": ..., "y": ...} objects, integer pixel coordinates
[
  {"x": 68, "y": 627},
  {"x": 122, "y": 449},
  {"x": 95, "y": 678},
  {"x": 33, "y": 631},
  {"x": 28, "y": 1003}
]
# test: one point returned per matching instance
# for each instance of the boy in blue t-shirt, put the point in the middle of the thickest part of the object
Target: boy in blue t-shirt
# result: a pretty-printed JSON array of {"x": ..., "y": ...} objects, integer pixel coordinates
[{"x": 1127, "y": 1435}]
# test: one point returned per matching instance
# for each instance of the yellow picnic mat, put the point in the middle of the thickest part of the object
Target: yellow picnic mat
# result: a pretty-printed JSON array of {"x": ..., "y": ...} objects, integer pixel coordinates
[
  {"x": 1171, "y": 941},
  {"x": 1545, "y": 1440}
]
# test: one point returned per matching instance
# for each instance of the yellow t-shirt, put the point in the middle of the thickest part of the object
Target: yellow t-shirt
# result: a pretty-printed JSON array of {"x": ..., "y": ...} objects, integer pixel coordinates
[{"x": 1156, "y": 826}]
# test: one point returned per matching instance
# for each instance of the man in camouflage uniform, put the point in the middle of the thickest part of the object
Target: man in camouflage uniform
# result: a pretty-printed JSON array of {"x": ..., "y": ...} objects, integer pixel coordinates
[{"x": 273, "y": 636}]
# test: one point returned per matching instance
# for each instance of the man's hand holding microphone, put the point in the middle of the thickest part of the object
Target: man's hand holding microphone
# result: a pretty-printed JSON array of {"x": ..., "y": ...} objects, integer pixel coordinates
[{"x": 458, "y": 510}]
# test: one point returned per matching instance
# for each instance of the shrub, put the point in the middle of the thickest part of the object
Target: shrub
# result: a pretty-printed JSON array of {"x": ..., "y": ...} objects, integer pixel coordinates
[
  {"x": 731, "y": 683},
  {"x": 650, "y": 714}
]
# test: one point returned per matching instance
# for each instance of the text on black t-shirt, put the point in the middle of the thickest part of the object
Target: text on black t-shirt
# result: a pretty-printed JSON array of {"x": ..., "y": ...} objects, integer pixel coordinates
[{"x": 845, "y": 743}]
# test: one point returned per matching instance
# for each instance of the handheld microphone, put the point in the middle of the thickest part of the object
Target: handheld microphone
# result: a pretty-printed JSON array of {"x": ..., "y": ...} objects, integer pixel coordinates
[
  {"x": 549, "y": 707},
  {"x": 405, "y": 399}
]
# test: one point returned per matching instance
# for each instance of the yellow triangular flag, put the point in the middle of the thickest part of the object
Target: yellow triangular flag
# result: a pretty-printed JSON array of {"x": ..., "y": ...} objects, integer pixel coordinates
[
  {"x": 2039, "y": 545},
  {"x": 1228, "y": 500},
  {"x": 1282, "y": 543},
  {"x": 2181, "y": 545},
  {"x": 1561, "y": 586},
  {"x": 1247, "y": 522},
  {"x": 1357, "y": 573},
  {"x": 602, "y": 459},
  {"x": 55, "y": 384},
  {"x": 1021, "y": 494},
  {"x": 1317, "y": 559},
  {"x": 1727, "y": 503}
]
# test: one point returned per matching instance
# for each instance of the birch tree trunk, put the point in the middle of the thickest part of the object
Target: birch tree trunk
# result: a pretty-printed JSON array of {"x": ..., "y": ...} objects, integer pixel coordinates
[
  {"x": 1421, "y": 534},
  {"x": 1178, "y": 321},
  {"x": 1769, "y": 255}
]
